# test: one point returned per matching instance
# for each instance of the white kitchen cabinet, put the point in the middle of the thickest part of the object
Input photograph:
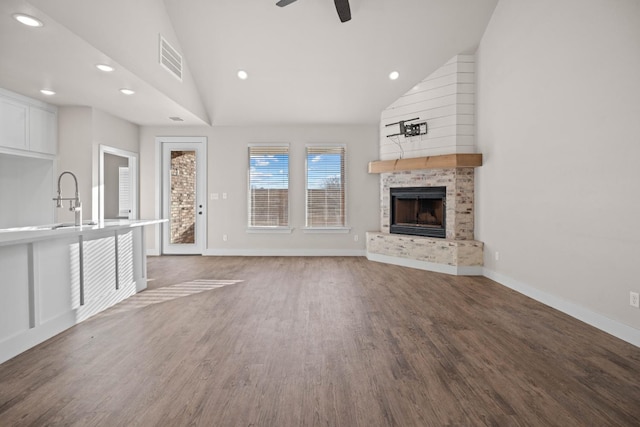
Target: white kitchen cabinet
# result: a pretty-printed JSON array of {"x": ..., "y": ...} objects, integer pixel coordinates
[
  {"x": 13, "y": 124},
  {"x": 14, "y": 300},
  {"x": 53, "y": 278},
  {"x": 43, "y": 130},
  {"x": 57, "y": 274},
  {"x": 27, "y": 126}
]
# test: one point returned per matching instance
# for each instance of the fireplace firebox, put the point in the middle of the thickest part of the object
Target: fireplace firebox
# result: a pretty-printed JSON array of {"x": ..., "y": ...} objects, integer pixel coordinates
[{"x": 419, "y": 211}]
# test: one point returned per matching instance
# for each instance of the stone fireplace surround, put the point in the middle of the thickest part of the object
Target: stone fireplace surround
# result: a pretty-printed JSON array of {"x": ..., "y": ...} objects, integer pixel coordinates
[{"x": 458, "y": 253}]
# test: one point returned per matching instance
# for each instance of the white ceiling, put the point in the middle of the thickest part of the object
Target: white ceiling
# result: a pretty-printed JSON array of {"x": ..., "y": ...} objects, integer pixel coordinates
[{"x": 304, "y": 65}]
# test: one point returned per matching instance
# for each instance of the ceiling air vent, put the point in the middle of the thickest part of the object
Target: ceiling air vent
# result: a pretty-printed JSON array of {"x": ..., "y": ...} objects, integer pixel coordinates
[{"x": 170, "y": 59}]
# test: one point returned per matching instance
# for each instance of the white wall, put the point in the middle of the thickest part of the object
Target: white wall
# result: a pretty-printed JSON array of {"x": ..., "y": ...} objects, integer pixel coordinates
[
  {"x": 81, "y": 130},
  {"x": 446, "y": 100},
  {"x": 26, "y": 191},
  {"x": 227, "y": 173},
  {"x": 558, "y": 108}
]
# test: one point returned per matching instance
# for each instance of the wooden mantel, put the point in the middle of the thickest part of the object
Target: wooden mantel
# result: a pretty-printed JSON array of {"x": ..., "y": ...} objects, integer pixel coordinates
[{"x": 432, "y": 162}]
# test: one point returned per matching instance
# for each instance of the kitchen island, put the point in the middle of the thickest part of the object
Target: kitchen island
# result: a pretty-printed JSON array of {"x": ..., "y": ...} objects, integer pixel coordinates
[{"x": 55, "y": 276}]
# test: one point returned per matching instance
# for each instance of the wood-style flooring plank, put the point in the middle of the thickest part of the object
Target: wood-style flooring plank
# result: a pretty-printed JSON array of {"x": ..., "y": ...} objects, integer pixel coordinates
[{"x": 305, "y": 341}]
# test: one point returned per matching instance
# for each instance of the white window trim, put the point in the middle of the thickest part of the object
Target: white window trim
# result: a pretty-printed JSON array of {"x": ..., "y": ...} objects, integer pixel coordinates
[
  {"x": 326, "y": 230},
  {"x": 269, "y": 230}
]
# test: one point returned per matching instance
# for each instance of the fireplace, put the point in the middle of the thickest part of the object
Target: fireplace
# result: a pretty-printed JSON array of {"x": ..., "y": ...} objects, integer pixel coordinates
[
  {"x": 458, "y": 252},
  {"x": 419, "y": 211}
]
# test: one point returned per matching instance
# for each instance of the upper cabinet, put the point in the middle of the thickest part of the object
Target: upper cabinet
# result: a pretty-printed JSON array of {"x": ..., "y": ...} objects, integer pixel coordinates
[
  {"x": 43, "y": 130},
  {"x": 27, "y": 126},
  {"x": 14, "y": 117}
]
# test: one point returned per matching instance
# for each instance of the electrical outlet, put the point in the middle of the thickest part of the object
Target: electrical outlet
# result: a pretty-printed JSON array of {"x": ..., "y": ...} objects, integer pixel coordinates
[
  {"x": 497, "y": 256},
  {"x": 634, "y": 299},
  {"x": 224, "y": 237},
  {"x": 355, "y": 238}
]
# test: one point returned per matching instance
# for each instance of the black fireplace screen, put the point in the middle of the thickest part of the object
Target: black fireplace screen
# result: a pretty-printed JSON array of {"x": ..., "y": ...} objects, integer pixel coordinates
[{"x": 419, "y": 211}]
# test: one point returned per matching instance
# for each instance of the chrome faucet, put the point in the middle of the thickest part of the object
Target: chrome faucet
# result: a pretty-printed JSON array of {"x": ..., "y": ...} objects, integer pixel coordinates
[{"x": 74, "y": 202}]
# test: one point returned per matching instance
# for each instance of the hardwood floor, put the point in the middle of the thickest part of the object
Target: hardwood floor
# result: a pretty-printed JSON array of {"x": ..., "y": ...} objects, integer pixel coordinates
[{"x": 325, "y": 342}]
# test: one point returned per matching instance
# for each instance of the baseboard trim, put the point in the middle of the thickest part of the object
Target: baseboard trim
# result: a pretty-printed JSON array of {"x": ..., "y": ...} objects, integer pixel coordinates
[
  {"x": 284, "y": 252},
  {"x": 425, "y": 265},
  {"x": 153, "y": 252},
  {"x": 610, "y": 326}
]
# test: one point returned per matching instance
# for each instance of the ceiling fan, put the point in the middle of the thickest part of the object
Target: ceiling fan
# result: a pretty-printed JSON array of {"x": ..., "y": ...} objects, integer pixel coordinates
[{"x": 342, "y": 6}]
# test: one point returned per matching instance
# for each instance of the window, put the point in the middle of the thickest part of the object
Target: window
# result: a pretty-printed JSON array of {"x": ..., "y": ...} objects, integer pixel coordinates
[
  {"x": 326, "y": 181},
  {"x": 269, "y": 186}
]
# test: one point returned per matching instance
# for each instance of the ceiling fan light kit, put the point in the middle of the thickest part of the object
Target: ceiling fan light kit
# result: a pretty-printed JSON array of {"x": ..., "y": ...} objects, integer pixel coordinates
[{"x": 342, "y": 7}]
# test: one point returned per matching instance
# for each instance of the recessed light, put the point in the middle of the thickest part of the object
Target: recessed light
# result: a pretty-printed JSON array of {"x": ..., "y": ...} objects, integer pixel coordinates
[
  {"x": 394, "y": 75},
  {"x": 27, "y": 20},
  {"x": 104, "y": 67},
  {"x": 47, "y": 92},
  {"x": 127, "y": 91},
  {"x": 242, "y": 75},
  {"x": 176, "y": 119}
]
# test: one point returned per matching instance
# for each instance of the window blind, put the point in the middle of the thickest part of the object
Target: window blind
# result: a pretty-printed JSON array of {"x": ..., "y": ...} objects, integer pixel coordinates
[
  {"x": 268, "y": 186},
  {"x": 326, "y": 182}
]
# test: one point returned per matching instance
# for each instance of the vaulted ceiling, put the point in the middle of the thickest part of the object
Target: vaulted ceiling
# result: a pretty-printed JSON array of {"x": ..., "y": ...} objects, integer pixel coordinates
[{"x": 304, "y": 65}]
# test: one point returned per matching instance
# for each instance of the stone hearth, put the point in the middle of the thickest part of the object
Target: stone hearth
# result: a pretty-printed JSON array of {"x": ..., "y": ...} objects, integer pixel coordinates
[{"x": 458, "y": 253}]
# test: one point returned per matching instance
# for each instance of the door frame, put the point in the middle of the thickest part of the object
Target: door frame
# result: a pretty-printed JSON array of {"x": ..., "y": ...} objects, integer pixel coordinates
[
  {"x": 133, "y": 176},
  {"x": 200, "y": 144}
]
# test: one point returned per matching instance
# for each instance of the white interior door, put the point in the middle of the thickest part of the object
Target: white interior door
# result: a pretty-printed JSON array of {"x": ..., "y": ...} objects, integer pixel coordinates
[{"x": 184, "y": 195}]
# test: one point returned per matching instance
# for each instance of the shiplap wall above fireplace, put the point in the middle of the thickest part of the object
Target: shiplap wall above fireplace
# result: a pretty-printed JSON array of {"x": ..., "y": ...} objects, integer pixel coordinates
[{"x": 446, "y": 101}]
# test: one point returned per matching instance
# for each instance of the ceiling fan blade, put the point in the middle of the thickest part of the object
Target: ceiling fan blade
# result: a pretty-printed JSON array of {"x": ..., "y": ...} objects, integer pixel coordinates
[
  {"x": 344, "y": 11},
  {"x": 283, "y": 3}
]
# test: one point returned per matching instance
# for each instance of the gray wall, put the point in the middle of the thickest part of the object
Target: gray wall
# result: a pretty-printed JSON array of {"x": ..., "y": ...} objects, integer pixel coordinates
[
  {"x": 81, "y": 131},
  {"x": 227, "y": 173},
  {"x": 75, "y": 136},
  {"x": 558, "y": 124}
]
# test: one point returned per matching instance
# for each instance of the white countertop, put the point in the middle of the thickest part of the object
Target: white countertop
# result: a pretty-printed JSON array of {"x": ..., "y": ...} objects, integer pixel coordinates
[{"x": 21, "y": 235}]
